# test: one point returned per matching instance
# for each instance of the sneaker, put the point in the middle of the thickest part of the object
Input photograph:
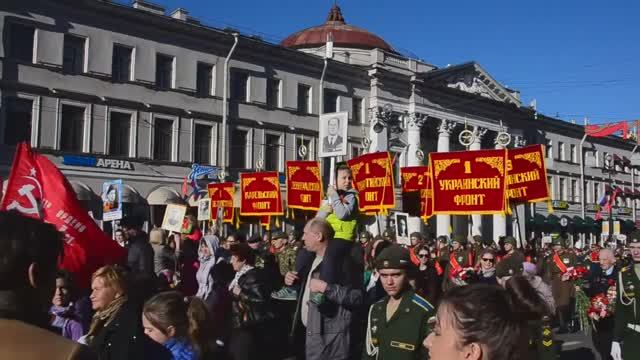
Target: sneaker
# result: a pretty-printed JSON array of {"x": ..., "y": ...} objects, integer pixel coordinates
[
  {"x": 316, "y": 298},
  {"x": 285, "y": 293}
]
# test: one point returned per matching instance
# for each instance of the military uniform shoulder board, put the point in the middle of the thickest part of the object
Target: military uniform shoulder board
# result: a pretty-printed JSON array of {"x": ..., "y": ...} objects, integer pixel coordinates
[
  {"x": 422, "y": 302},
  {"x": 626, "y": 268}
]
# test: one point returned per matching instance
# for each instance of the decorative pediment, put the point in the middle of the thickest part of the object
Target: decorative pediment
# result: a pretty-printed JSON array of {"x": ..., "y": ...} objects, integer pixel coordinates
[{"x": 472, "y": 78}]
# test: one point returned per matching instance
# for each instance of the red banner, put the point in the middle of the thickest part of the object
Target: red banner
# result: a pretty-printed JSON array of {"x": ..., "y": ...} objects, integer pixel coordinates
[
  {"x": 304, "y": 185},
  {"x": 607, "y": 129},
  {"x": 222, "y": 197},
  {"x": 526, "y": 174},
  {"x": 39, "y": 190},
  {"x": 469, "y": 182},
  {"x": 373, "y": 178},
  {"x": 260, "y": 194},
  {"x": 417, "y": 199}
]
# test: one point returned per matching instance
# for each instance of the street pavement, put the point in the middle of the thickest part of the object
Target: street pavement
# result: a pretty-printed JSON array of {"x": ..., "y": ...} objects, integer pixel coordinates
[{"x": 576, "y": 346}]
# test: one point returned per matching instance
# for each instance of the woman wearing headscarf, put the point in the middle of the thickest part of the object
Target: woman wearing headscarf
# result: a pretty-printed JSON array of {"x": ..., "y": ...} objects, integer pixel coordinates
[{"x": 206, "y": 256}]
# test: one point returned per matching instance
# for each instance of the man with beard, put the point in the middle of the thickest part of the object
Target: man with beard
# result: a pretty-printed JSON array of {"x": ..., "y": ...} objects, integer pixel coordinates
[{"x": 398, "y": 323}]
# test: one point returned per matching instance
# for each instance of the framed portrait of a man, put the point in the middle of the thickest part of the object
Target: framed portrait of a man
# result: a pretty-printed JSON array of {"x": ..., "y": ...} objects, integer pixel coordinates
[
  {"x": 204, "y": 209},
  {"x": 333, "y": 134},
  {"x": 402, "y": 228}
]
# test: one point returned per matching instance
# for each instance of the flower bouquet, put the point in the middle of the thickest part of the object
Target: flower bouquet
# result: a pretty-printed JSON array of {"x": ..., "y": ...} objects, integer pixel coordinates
[{"x": 462, "y": 276}]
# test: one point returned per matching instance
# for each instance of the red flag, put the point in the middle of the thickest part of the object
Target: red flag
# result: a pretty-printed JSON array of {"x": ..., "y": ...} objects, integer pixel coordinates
[
  {"x": 607, "y": 129},
  {"x": 39, "y": 190}
]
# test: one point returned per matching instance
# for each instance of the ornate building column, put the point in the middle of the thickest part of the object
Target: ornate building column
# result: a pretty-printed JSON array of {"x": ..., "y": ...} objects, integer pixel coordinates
[
  {"x": 443, "y": 222},
  {"x": 414, "y": 156},
  {"x": 499, "y": 220},
  {"x": 476, "y": 220}
]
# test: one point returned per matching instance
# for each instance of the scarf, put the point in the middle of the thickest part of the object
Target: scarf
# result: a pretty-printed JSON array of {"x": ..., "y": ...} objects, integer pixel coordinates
[
  {"x": 103, "y": 317},
  {"x": 488, "y": 273},
  {"x": 239, "y": 274}
]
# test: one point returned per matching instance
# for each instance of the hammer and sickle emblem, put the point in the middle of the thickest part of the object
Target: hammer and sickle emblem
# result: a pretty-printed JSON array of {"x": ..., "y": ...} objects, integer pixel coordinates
[{"x": 26, "y": 190}]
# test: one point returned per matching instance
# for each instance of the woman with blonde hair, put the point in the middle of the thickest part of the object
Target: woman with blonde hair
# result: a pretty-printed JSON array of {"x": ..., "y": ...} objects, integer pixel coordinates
[{"x": 116, "y": 331}]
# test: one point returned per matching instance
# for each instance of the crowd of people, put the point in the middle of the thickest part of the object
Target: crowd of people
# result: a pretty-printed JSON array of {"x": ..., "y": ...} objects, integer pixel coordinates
[{"x": 332, "y": 291}]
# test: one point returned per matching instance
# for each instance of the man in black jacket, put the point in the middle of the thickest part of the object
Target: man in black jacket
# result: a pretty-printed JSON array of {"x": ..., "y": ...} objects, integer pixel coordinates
[
  {"x": 603, "y": 276},
  {"x": 139, "y": 256}
]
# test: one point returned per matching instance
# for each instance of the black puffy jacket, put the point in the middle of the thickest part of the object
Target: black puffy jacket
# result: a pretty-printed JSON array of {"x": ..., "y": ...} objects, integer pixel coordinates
[{"x": 253, "y": 306}]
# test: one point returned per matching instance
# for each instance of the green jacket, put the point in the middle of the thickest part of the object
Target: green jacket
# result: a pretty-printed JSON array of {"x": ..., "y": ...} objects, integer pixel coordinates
[
  {"x": 627, "y": 313},
  {"x": 401, "y": 337}
]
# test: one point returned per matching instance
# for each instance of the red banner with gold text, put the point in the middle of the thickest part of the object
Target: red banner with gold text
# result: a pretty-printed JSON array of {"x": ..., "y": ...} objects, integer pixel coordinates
[
  {"x": 304, "y": 185},
  {"x": 469, "y": 182},
  {"x": 417, "y": 199},
  {"x": 260, "y": 194},
  {"x": 527, "y": 174},
  {"x": 222, "y": 197},
  {"x": 373, "y": 178}
]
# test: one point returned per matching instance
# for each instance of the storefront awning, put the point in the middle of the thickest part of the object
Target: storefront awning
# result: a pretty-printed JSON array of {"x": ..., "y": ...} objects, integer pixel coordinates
[
  {"x": 636, "y": 192},
  {"x": 627, "y": 191},
  {"x": 163, "y": 196},
  {"x": 83, "y": 192},
  {"x": 130, "y": 195},
  {"x": 577, "y": 221}
]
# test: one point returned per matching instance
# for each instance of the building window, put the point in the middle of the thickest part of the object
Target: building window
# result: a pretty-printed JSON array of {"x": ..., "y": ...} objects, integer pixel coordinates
[
  {"x": 239, "y": 86},
  {"x": 330, "y": 101},
  {"x": 574, "y": 191},
  {"x": 272, "y": 152},
  {"x": 356, "y": 151},
  {"x": 72, "y": 128},
  {"x": 273, "y": 93},
  {"x": 561, "y": 151},
  {"x": 596, "y": 155},
  {"x": 164, "y": 71},
  {"x": 202, "y": 147},
  {"x": 356, "y": 110},
  {"x": 304, "y": 99},
  {"x": 18, "y": 117},
  {"x": 549, "y": 149},
  {"x": 73, "y": 54},
  {"x": 552, "y": 189},
  {"x": 162, "y": 139},
  {"x": 596, "y": 192},
  {"x": 562, "y": 189},
  {"x": 307, "y": 143},
  {"x": 21, "y": 42},
  {"x": 574, "y": 153},
  {"x": 121, "y": 63},
  {"x": 238, "y": 150},
  {"x": 204, "y": 79},
  {"x": 119, "y": 133}
]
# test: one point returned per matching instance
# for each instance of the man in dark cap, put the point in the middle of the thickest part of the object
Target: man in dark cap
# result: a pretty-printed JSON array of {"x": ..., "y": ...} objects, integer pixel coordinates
[
  {"x": 364, "y": 238},
  {"x": 626, "y": 332},
  {"x": 398, "y": 323},
  {"x": 554, "y": 271},
  {"x": 459, "y": 259},
  {"x": 513, "y": 258}
]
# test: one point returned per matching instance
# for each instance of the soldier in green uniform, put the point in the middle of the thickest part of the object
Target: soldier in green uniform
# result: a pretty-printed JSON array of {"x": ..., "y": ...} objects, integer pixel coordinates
[
  {"x": 459, "y": 258},
  {"x": 626, "y": 331},
  {"x": 397, "y": 324},
  {"x": 553, "y": 269},
  {"x": 513, "y": 258}
]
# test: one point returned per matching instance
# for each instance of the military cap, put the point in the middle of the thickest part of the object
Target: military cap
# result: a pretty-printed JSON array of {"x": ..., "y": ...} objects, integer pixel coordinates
[
  {"x": 557, "y": 240},
  {"x": 510, "y": 240},
  {"x": 278, "y": 234},
  {"x": 393, "y": 257},
  {"x": 365, "y": 235},
  {"x": 634, "y": 237},
  {"x": 460, "y": 239}
]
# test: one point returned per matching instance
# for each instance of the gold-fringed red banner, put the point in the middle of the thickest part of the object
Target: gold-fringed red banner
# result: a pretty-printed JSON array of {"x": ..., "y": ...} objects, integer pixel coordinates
[
  {"x": 304, "y": 185},
  {"x": 260, "y": 194},
  {"x": 527, "y": 174},
  {"x": 222, "y": 197},
  {"x": 417, "y": 199},
  {"x": 469, "y": 182},
  {"x": 373, "y": 179}
]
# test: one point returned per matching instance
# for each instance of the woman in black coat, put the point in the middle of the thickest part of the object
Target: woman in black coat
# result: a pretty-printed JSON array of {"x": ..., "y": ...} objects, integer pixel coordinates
[
  {"x": 252, "y": 318},
  {"x": 427, "y": 280}
]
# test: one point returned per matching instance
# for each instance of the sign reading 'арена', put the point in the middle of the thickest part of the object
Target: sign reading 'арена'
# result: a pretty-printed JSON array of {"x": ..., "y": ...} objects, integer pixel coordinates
[{"x": 469, "y": 182}]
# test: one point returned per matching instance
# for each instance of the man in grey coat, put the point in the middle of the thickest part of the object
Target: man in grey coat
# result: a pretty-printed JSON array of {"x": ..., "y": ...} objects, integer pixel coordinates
[{"x": 326, "y": 330}]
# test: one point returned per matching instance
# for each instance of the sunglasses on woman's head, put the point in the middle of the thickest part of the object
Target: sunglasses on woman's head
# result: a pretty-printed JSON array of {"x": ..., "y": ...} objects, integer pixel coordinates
[{"x": 488, "y": 260}]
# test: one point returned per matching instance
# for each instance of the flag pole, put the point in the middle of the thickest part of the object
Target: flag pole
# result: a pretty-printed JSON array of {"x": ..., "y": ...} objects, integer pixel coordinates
[{"x": 583, "y": 192}]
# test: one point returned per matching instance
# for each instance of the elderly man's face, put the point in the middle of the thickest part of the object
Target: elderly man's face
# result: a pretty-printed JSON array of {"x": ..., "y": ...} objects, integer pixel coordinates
[
  {"x": 606, "y": 259},
  {"x": 332, "y": 127}
]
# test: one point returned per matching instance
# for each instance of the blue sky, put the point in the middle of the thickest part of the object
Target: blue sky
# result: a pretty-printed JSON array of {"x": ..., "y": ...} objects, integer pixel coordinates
[{"x": 576, "y": 58}]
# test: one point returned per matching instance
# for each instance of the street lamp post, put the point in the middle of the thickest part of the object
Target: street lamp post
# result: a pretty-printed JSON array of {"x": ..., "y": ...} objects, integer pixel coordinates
[{"x": 610, "y": 168}]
